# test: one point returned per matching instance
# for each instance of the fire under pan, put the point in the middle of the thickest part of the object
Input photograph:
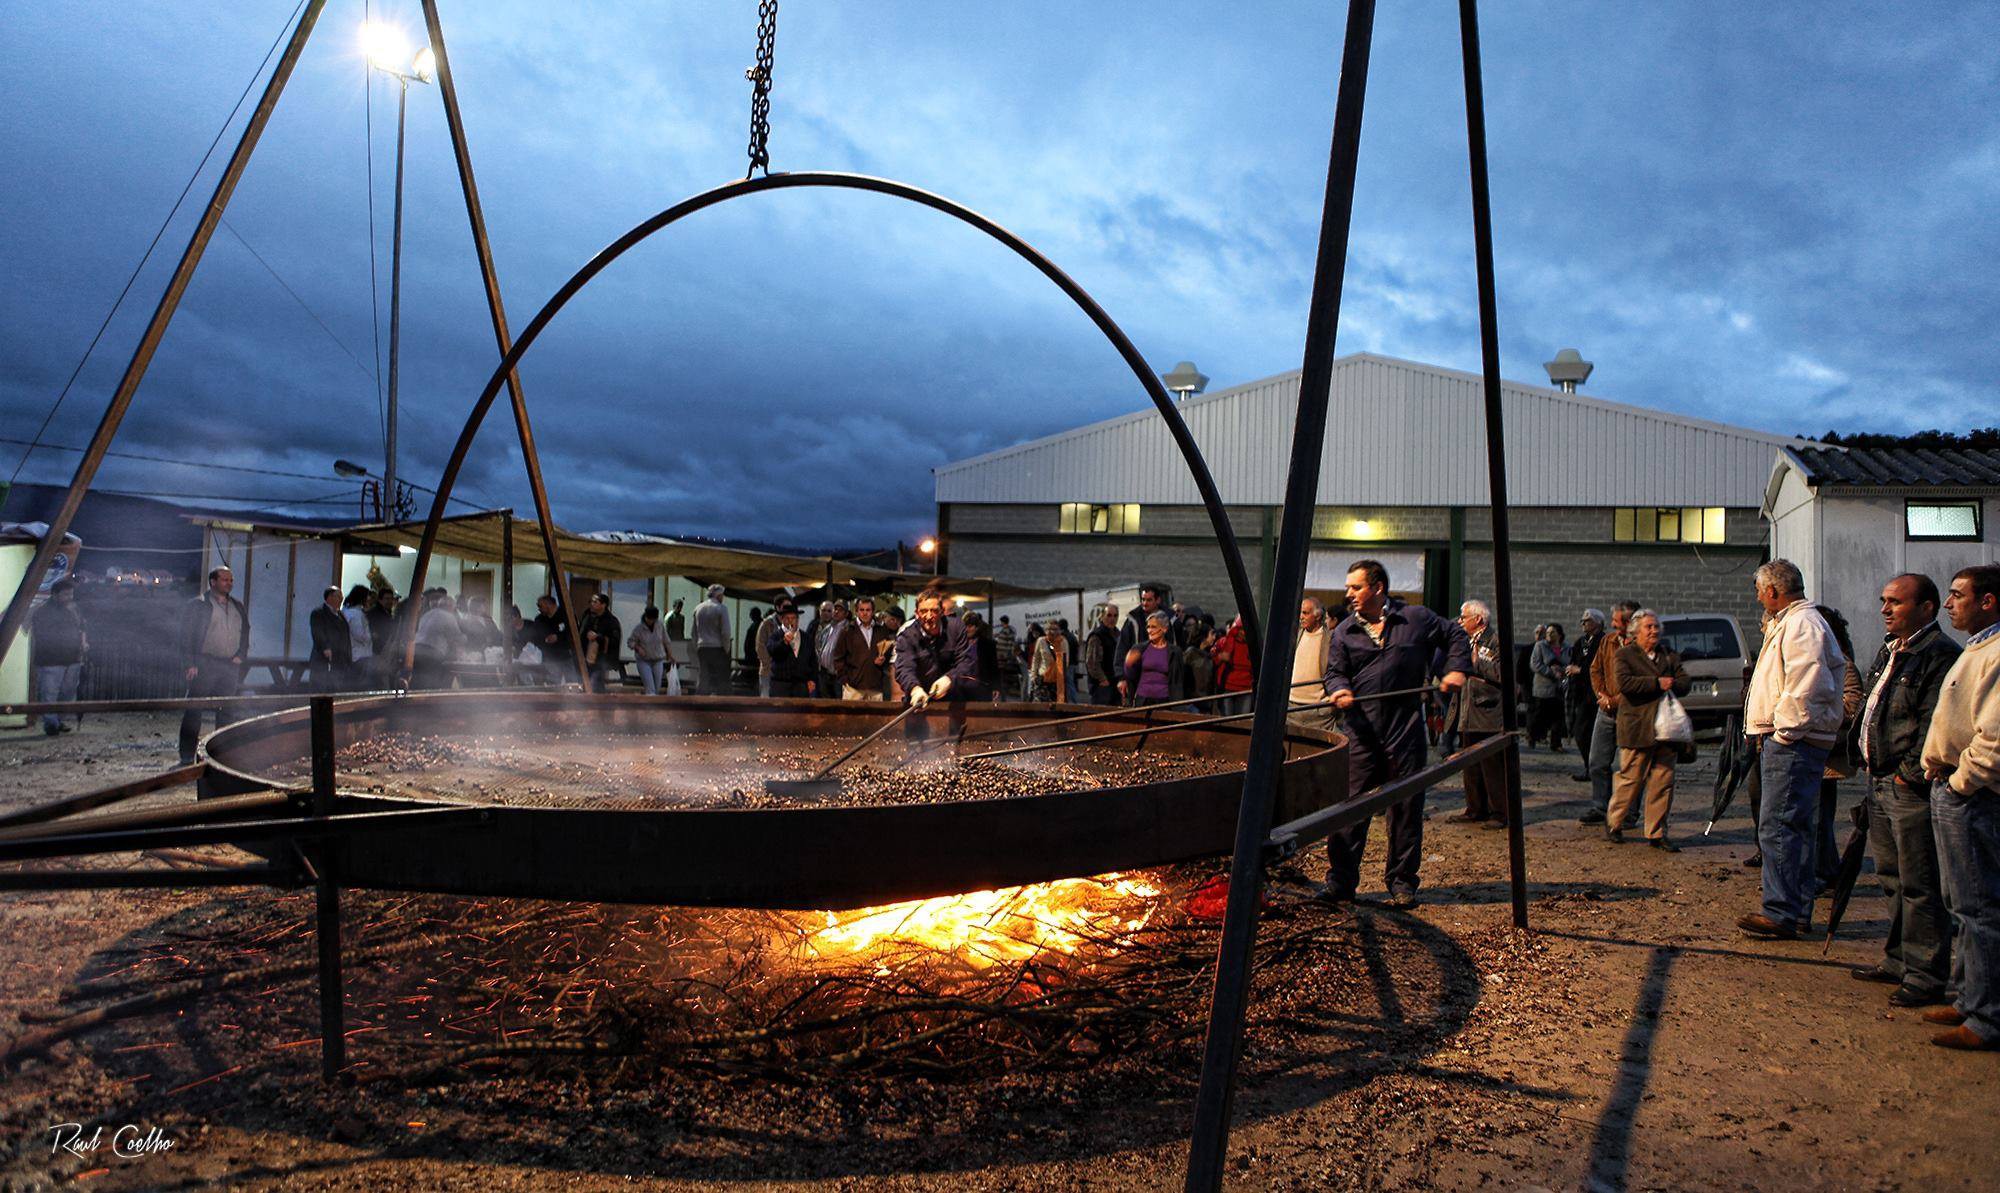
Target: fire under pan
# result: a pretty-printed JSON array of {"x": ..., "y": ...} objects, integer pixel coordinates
[{"x": 650, "y": 800}]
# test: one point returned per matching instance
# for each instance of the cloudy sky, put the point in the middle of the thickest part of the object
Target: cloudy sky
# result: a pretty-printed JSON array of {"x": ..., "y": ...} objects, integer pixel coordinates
[{"x": 1776, "y": 215}]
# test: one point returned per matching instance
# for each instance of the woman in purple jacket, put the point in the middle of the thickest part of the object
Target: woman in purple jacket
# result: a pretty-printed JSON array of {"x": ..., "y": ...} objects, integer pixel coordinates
[{"x": 1149, "y": 668}]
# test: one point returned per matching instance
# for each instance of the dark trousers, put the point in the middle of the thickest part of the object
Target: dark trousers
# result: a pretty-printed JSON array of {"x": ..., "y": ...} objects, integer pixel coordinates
[
  {"x": 1582, "y": 715},
  {"x": 1103, "y": 693},
  {"x": 714, "y": 664},
  {"x": 1546, "y": 720},
  {"x": 212, "y": 677},
  {"x": 1366, "y": 770},
  {"x": 789, "y": 687},
  {"x": 1486, "y": 782},
  {"x": 1901, "y": 837},
  {"x": 1826, "y": 854}
]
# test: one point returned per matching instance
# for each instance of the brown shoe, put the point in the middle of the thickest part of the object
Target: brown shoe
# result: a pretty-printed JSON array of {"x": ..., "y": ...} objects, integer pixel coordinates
[
  {"x": 1759, "y": 924},
  {"x": 1943, "y": 1017},
  {"x": 1965, "y": 1039}
]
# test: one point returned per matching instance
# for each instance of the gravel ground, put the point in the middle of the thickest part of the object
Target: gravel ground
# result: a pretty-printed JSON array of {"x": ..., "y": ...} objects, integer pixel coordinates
[{"x": 1634, "y": 1040}]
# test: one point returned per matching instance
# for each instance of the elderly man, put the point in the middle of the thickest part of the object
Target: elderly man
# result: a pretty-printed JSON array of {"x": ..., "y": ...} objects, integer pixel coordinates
[
  {"x": 332, "y": 642},
  {"x": 1478, "y": 715},
  {"x": 827, "y": 631},
  {"x": 214, "y": 641},
  {"x": 550, "y": 635},
  {"x": 1603, "y": 755},
  {"x": 711, "y": 643},
  {"x": 1902, "y": 686},
  {"x": 935, "y": 658},
  {"x": 1102, "y": 664},
  {"x": 1384, "y": 645},
  {"x": 1582, "y": 701},
  {"x": 794, "y": 669},
  {"x": 1961, "y": 757},
  {"x": 1794, "y": 707},
  {"x": 1309, "y": 653},
  {"x": 861, "y": 654}
]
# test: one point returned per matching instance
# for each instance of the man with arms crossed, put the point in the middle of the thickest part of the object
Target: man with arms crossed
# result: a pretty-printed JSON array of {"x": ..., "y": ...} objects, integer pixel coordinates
[
  {"x": 1902, "y": 687},
  {"x": 1962, "y": 760}
]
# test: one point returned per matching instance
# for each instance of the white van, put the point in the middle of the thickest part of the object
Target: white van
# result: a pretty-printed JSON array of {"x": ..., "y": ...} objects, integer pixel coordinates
[{"x": 1711, "y": 648}]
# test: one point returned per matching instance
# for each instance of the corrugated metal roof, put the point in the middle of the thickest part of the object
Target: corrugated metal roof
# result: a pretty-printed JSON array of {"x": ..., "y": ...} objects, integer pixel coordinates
[
  {"x": 1898, "y": 467},
  {"x": 1401, "y": 434}
]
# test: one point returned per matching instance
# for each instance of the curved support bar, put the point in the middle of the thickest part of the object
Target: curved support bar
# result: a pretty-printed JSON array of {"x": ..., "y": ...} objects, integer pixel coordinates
[{"x": 1232, "y": 555}]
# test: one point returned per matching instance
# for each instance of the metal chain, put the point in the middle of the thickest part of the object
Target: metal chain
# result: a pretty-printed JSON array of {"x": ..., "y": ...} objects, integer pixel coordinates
[{"x": 760, "y": 88}]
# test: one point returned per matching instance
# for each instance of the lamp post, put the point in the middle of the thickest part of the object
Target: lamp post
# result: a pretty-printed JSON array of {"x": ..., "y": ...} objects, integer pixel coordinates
[
  {"x": 387, "y": 50},
  {"x": 930, "y": 547}
]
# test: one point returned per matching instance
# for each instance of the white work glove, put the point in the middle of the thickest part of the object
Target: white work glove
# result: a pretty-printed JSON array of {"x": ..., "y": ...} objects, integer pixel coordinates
[
  {"x": 940, "y": 687},
  {"x": 919, "y": 697}
]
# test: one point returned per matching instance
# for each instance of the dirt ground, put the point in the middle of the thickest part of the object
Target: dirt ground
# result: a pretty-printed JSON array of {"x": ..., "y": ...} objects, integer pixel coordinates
[{"x": 1633, "y": 1040}]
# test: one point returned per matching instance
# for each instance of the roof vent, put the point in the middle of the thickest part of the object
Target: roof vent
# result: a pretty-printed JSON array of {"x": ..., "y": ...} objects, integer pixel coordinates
[
  {"x": 1185, "y": 381},
  {"x": 1568, "y": 370}
]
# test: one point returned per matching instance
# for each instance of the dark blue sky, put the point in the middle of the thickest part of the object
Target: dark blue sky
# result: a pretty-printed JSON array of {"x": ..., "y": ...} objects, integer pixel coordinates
[{"x": 1777, "y": 215}]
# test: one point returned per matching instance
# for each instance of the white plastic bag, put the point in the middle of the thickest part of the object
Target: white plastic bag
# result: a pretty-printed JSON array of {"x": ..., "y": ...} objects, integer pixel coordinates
[
  {"x": 1671, "y": 723},
  {"x": 531, "y": 655},
  {"x": 673, "y": 678}
]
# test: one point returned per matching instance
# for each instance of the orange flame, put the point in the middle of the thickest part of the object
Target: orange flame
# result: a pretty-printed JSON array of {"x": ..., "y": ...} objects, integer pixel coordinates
[{"x": 985, "y": 928}]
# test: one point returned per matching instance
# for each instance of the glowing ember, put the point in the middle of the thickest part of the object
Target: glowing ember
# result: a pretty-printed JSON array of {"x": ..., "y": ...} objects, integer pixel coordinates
[{"x": 985, "y": 928}]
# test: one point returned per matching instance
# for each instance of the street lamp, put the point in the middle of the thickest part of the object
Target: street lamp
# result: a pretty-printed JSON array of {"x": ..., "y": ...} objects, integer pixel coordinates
[
  {"x": 930, "y": 547},
  {"x": 387, "y": 50}
]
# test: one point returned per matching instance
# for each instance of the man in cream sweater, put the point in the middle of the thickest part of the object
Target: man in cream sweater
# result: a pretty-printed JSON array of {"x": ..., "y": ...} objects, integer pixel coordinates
[
  {"x": 1794, "y": 705},
  {"x": 1962, "y": 760}
]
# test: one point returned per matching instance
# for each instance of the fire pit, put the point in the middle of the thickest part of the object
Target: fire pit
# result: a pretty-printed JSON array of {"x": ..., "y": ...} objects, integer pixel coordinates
[{"x": 648, "y": 800}]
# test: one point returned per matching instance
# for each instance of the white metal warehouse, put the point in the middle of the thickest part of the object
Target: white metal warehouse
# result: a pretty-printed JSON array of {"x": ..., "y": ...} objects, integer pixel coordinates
[{"x": 1610, "y": 500}]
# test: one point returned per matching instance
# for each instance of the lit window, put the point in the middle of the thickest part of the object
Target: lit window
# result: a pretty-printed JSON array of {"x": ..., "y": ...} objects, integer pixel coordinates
[
  {"x": 1078, "y": 517},
  {"x": 1663, "y": 524},
  {"x": 1950, "y": 520}
]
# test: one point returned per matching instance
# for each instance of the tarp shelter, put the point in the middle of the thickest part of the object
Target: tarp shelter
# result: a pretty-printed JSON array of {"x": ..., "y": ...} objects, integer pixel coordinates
[{"x": 625, "y": 555}]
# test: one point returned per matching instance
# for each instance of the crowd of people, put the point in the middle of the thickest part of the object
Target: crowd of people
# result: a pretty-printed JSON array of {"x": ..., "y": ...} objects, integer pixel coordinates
[{"x": 1919, "y": 725}]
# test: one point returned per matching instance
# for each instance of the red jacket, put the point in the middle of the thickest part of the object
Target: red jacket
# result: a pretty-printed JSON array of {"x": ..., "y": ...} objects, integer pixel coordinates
[{"x": 1232, "y": 660}]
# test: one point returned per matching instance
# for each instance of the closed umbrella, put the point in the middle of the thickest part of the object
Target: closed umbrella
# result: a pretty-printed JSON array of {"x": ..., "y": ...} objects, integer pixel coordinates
[
  {"x": 1734, "y": 762},
  {"x": 1850, "y": 871}
]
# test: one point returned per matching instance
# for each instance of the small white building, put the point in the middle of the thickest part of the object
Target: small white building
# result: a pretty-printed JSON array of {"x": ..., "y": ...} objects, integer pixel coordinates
[{"x": 1853, "y": 517}]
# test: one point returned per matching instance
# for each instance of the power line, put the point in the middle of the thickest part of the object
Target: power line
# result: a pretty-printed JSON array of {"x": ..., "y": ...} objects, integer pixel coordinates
[
  {"x": 148, "y": 254},
  {"x": 286, "y": 287},
  {"x": 57, "y": 447}
]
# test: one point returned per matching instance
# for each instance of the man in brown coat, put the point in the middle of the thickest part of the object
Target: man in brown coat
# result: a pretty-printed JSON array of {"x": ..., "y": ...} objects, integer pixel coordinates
[
  {"x": 1645, "y": 672},
  {"x": 860, "y": 655},
  {"x": 1603, "y": 754}
]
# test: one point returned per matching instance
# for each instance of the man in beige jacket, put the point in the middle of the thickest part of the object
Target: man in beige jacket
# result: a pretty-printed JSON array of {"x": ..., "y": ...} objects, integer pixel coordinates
[
  {"x": 1962, "y": 760},
  {"x": 1794, "y": 705}
]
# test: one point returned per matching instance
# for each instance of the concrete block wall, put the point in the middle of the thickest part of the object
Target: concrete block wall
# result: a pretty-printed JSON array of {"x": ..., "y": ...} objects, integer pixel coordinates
[
  {"x": 1553, "y": 584},
  {"x": 1564, "y": 561},
  {"x": 1194, "y": 569}
]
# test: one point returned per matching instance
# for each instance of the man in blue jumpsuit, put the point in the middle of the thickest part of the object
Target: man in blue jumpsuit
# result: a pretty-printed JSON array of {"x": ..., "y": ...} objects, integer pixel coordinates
[{"x": 1385, "y": 645}]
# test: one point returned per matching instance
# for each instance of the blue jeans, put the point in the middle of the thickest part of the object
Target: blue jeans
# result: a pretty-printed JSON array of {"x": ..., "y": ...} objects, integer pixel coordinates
[
  {"x": 53, "y": 684},
  {"x": 1787, "y": 831},
  {"x": 651, "y": 671},
  {"x": 1603, "y": 759},
  {"x": 1968, "y": 836}
]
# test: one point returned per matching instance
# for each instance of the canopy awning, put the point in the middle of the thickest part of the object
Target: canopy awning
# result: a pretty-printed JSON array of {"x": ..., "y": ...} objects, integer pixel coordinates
[{"x": 621, "y": 556}]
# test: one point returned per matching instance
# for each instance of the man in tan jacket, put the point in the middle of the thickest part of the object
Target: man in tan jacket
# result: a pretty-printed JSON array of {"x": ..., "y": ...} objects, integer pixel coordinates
[
  {"x": 1795, "y": 706},
  {"x": 1962, "y": 760},
  {"x": 1601, "y": 752}
]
